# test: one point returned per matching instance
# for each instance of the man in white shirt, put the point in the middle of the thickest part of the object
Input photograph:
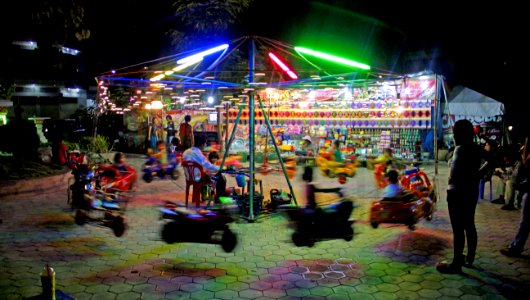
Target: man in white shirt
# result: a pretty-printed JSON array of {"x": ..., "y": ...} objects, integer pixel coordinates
[{"x": 195, "y": 154}]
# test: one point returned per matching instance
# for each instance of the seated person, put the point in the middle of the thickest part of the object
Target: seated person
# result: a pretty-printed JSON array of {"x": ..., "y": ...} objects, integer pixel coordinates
[
  {"x": 508, "y": 175},
  {"x": 307, "y": 147},
  {"x": 393, "y": 189},
  {"x": 174, "y": 144},
  {"x": 213, "y": 157},
  {"x": 311, "y": 189},
  {"x": 386, "y": 158},
  {"x": 337, "y": 155},
  {"x": 161, "y": 155},
  {"x": 119, "y": 162},
  {"x": 195, "y": 154}
]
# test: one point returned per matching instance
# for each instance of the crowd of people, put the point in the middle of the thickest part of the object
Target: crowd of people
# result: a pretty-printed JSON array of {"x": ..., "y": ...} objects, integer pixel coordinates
[{"x": 467, "y": 176}]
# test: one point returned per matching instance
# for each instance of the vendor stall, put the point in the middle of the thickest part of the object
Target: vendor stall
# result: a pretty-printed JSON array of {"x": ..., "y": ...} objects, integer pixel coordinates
[
  {"x": 366, "y": 119},
  {"x": 485, "y": 113}
]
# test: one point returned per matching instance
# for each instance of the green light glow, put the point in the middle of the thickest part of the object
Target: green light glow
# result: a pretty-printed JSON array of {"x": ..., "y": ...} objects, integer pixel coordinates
[{"x": 333, "y": 58}]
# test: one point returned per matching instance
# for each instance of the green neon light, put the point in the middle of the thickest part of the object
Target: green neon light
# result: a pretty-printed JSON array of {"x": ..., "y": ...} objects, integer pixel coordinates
[{"x": 332, "y": 58}]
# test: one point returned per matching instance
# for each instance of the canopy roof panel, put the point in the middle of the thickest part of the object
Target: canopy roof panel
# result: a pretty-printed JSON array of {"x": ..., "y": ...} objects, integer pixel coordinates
[
  {"x": 228, "y": 67},
  {"x": 467, "y": 102}
]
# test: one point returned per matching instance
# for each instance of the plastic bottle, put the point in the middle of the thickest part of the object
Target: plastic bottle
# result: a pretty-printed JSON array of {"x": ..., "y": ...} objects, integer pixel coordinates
[{"x": 47, "y": 278}]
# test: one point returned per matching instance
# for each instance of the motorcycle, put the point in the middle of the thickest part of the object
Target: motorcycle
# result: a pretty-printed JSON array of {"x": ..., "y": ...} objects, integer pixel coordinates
[
  {"x": 202, "y": 226},
  {"x": 323, "y": 223},
  {"x": 152, "y": 168},
  {"x": 94, "y": 204}
]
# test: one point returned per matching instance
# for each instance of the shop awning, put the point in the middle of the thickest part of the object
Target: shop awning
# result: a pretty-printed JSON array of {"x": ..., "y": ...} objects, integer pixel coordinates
[{"x": 469, "y": 103}]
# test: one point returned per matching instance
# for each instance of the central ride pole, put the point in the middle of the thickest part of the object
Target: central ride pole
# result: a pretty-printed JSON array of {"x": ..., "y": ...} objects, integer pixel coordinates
[{"x": 251, "y": 61}]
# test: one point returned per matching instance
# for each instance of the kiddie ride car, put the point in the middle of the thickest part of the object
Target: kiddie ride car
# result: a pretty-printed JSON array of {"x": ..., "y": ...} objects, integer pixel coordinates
[
  {"x": 418, "y": 201},
  {"x": 152, "y": 168},
  {"x": 102, "y": 206},
  {"x": 332, "y": 169},
  {"x": 201, "y": 226},
  {"x": 113, "y": 179},
  {"x": 323, "y": 223}
]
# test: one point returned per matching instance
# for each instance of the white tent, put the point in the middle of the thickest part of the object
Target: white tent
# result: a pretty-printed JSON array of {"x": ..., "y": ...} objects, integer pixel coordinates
[{"x": 465, "y": 103}]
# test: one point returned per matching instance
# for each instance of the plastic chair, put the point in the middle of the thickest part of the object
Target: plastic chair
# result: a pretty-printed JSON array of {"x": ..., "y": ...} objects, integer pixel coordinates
[
  {"x": 482, "y": 184},
  {"x": 194, "y": 177}
]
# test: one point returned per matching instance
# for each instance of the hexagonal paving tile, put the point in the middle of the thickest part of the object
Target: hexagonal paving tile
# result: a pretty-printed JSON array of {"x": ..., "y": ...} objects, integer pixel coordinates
[
  {"x": 313, "y": 275},
  {"x": 321, "y": 291},
  {"x": 227, "y": 294},
  {"x": 202, "y": 295},
  {"x": 250, "y": 294}
]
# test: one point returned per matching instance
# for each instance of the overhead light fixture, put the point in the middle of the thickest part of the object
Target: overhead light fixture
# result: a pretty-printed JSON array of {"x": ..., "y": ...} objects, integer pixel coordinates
[
  {"x": 202, "y": 54},
  {"x": 158, "y": 77},
  {"x": 187, "y": 64},
  {"x": 283, "y": 66},
  {"x": 333, "y": 58},
  {"x": 156, "y": 104}
]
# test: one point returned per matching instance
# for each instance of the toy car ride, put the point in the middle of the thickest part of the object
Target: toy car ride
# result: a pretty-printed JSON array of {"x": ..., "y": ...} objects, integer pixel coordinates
[
  {"x": 153, "y": 169},
  {"x": 323, "y": 223},
  {"x": 418, "y": 201},
  {"x": 201, "y": 226}
]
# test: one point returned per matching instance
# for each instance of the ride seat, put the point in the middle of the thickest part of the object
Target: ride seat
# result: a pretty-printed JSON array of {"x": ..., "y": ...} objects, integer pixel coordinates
[{"x": 194, "y": 178}]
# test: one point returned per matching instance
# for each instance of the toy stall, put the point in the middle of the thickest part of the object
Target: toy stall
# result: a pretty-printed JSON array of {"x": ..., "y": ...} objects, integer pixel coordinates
[
  {"x": 367, "y": 119},
  {"x": 485, "y": 113}
]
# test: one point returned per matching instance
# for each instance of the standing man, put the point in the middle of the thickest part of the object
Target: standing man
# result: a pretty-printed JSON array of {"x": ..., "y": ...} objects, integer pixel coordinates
[
  {"x": 462, "y": 193},
  {"x": 170, "y": 129},
  {"x": 186, "y": 134}
]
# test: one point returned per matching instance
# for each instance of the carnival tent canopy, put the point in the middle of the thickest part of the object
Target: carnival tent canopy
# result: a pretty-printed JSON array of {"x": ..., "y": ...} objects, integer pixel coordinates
[{"x": 466, "y": 102}]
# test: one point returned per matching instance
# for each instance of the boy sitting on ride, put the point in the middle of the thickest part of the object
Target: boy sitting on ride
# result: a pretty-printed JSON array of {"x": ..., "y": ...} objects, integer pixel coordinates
[
  {"x": 161, "y": 154},
  {"x": 393, "y": 188}
]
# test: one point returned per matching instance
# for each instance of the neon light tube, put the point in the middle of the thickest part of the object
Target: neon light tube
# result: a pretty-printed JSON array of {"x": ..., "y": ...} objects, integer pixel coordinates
[
  {"x": 187, "y": 64},
  {"x": 202, "y": 54},
  {"x": 333, "y": 58},
  {"x": 158, "y": 77},
  {"x": 283, "y": 66}
]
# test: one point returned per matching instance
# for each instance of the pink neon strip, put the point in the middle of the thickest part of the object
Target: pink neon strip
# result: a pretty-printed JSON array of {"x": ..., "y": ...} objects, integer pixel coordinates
[{"x": 283, "y": 66}]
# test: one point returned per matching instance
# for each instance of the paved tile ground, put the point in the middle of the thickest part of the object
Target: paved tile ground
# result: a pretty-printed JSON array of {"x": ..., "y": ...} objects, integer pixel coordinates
[{"x": 390, "y": 262}]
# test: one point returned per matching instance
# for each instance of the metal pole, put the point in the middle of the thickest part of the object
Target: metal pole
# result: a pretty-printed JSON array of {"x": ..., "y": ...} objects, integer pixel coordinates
[
  {"x": 277, "y": 150},
  {"x": 435, "y": 125},
  {"x": 219, "y": 128},
  {"x": 227, "y": 107},
  {"x": 231, "y": 135},
  {"x": 251, "y": 61}
]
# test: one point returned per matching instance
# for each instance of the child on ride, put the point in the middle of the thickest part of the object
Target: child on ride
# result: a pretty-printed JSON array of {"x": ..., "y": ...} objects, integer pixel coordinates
[
  {"x": 393, "y": 189},
  {"x": 213, "y": 157},
  {"x": 386, "y": 158},
  {"x": 119, "y": 162},
  {"x": 336, "y": 151},
  {"x": 311, "y": 189},
  {"x": 161, "y": 155}
]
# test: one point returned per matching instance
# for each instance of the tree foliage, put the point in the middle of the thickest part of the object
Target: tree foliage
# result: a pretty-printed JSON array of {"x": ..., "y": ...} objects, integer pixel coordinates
[
  {"x": 204, "y": 20},
  {"x": 60, "y": 21},
  {"x": 20, "y": 138}
]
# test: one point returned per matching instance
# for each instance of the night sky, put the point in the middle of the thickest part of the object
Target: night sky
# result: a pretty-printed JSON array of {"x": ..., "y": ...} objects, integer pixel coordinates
[{"x": 479, "y": 46}]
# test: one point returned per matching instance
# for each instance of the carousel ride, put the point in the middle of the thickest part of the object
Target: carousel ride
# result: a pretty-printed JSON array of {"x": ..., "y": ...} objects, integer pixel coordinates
[{"x": 275, "y": 77}]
